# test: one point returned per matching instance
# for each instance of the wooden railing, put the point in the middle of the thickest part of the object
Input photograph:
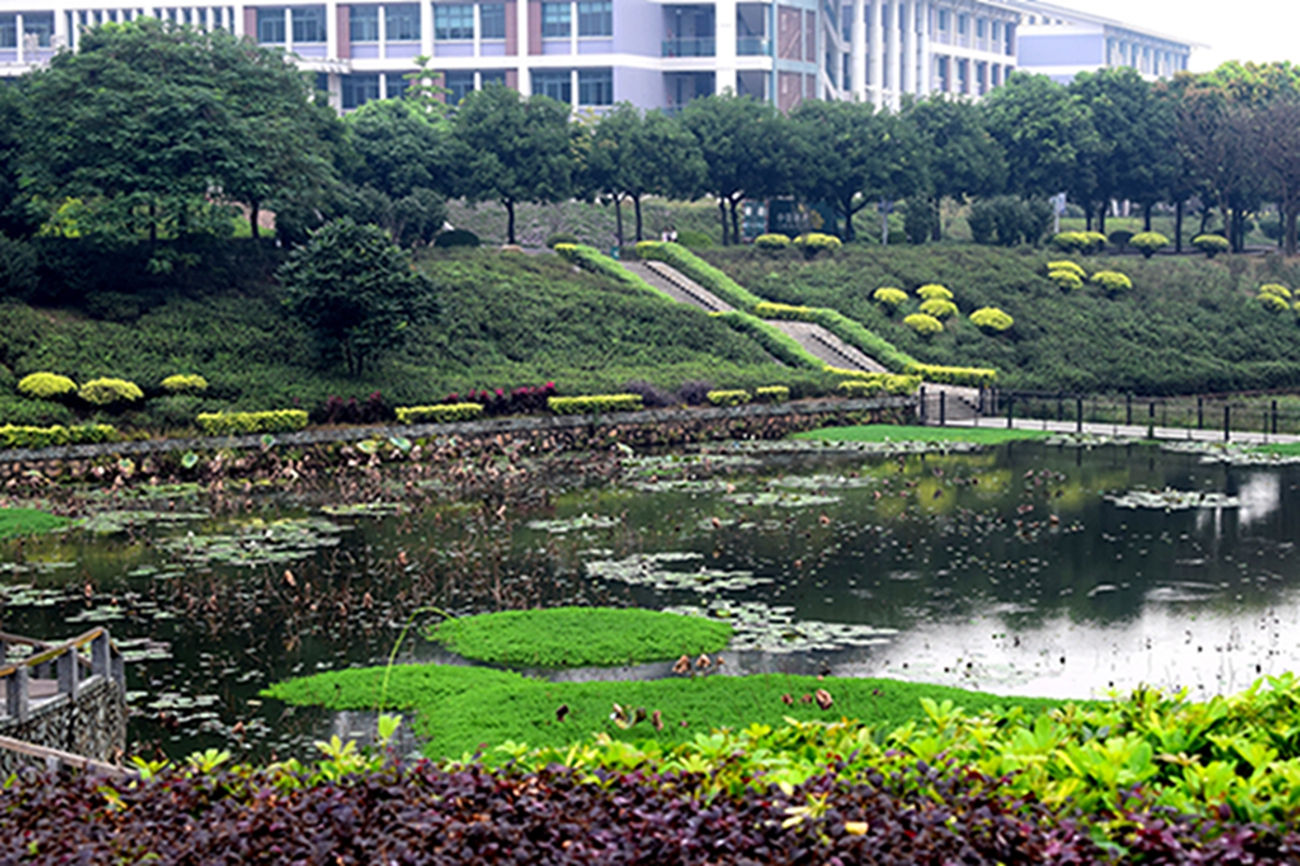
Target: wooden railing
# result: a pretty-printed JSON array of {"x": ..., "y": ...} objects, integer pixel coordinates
[{"x": 28, "y": 681}]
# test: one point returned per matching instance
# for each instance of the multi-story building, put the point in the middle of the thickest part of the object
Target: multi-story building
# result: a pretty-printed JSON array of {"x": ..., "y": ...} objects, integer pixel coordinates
[{"x": 653, "y": 53}]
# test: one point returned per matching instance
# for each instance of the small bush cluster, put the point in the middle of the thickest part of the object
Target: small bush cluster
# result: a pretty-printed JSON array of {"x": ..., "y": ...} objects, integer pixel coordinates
[
  {"x": 1148, "y": 243},
  {"x": 972, "y": 376},
  {"x": 592, "y": 404},
  {"x": 442, "y": 413},
  {"x": 17, "y": 436},
  {"x": 772, "y": 393},
  {"x": 924, "y": 325},
  {"x": 1066, "y": 281},
  {"x": 875, "y": 383},
  {"x": 1276, "y": 289},
  {"x": 933, "y": 292},
  {"x": 1120, "y": 238},
  {"x": 107, "y": 391},
  {"x": 46, "y": 386},
  {"x": 772, "y": 242},
  {"x": 1067, "y": 265},
  {"x": 1008, "y": 220},
  {"x": 183, "y": 383},
  {"x": 652, "y": 396},
  {"x": 524, "y": 400},
  {"x": 728, "y": 398},
  {"x": 373, "y": 410},
  {"x": 1084, "y": 243},
  {"x": 991, "y": 320},
  {"x": 1111, "y": 282},
  {"x": 889, "y": 298},
  {"x": 236, "y": 423},
  {"x": 1273, "y": 303},
  {"x": 939, "y": 308},
  {"x": 1211, "y": 245},
  {"x": 456, "y": 238},
  {"x": 813, "y": 243}
]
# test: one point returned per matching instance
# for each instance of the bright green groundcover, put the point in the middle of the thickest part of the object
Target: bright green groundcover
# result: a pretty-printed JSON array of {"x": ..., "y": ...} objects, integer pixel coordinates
[
  {"x": 569, "y": 637},
  {"x": 459, "y": 709},
  {"x": 899, "y": 433},
  {"x": 28, "y": 521}
]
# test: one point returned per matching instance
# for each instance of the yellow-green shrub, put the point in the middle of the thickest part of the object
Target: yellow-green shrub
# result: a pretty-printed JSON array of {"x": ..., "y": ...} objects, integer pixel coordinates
[
  {"x": 772, "y": 242},
  {"x": 728, "y": 398},
  {"x": 972, "y": 376},
  {"x": 874, "y": 384},
  {"x": 19, "y": 436},
  {"x": 1148, "y": 243},
  {"x": 939, "y": 308},
  {"x": 1089, "y": 243},
  {"x": 444, "y": 413},
  {"x": 1067, "y": 265},
  {"x": 105, "y": 392},
  {"x": 594, "y": 403},
  {"x": 889, "y": 298},
  {"x": 234, "y": 423},
  {"x": 1211, "y": 245},
  {"x": 769, "y": 310},
  {"x": 933, "y": 291},
  {"x": 772, "y": 393},
  {"x": 46, "y": 386},
  {"x": 184, "y": 382},
  {"x": 1066, "y": 281},
  {"x": 991, "y": 320},
  {"x": 923, "y": 324},
  {"x": 1274, "y": 304},
  {"x": 1275, "y": 289},
  {"x": 813, "y": 243},
  {"x": 1111, "y": 282}
]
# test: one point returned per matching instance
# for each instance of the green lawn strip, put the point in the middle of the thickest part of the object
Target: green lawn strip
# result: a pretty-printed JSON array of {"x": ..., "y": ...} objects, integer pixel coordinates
[
  {"x": 898, "y": 433},
  {"x": 28, "y": 521},
  {"x": 458, "y": 709},
  {"x": 1281, "y": 449},
  {"x": 568, "y": 637}
]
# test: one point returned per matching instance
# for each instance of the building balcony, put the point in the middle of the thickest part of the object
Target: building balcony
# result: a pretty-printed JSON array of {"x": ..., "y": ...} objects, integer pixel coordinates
[
  {"x": 754, "y": 46},
  {"x": 698, "y": 47}
]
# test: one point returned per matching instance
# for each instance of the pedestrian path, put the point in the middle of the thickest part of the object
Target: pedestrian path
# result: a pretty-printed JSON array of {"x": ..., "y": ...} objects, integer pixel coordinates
[{"x": 1128, "y": 431}]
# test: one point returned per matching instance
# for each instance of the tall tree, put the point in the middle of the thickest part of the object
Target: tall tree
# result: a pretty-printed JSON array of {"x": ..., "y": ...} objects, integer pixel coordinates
[
  {"x": 511, "y": 149},
  {"x": 965, "y": 160},
  {"x": 1215, "y": 139},
  {"x": 1277, "y": 135},
  {"x": 400, "y": 147}
]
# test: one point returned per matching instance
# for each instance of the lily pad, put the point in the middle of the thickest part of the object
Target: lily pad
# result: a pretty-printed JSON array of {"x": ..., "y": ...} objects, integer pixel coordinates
[
  {"x": 773, "y": 628},
  {"x": 1173, "y": 500},
  {"x": 257, "y": 543},
  {"x": 582, "y": 522},
  {"x": 647, "y": 570},
  {"x": 782, "y": 500}
]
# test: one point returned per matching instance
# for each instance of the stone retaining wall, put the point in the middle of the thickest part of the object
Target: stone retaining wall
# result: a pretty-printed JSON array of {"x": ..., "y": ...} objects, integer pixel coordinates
[{"x": 94, "y": 725}]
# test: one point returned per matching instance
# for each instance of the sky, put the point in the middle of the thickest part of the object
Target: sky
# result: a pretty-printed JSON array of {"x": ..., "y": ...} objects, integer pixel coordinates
[{"x": 1260, "y": 31}]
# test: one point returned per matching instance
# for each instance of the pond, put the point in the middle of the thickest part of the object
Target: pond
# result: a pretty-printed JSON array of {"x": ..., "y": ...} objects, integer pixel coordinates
[{"x": 1029, "y": 568}]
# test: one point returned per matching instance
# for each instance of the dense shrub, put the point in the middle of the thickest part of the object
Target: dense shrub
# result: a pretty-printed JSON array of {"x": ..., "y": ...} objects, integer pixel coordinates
[
  {"x": 991, "y": 320},
  {"x": 1087, "y": 243},
  {"x": 863, "y": 384},
  {"x": 456, "y": 238},
  {"x": 1111, "y": 282},
  {"x": 695, "y": 392},
  {"x": 889, "y": 298},
  {"x": 235, "y": 423},
  {"x": 923, "y": 324},
  {"x": 18, "y": 269},
  {"x": 107, "y": 391},
  {"x": 373, "y": 410},
  {"x": 728, "y": 398},
  {"x": 652, "y": 396},
  {"x": 14, "y": 436},
  {"x": 182, "y": 382},
  {"x": 442, "y": 413},
  {"x": 1275, "y": 289},
  {"x": 701, "y": 271},
  {"x": 769, "y": 310},
  {"x": 1274, "y": 304},
  {"x": 694, "y": 240},
  {"x": 939, "y": 308},
  {"x": 777, "y": 342},
  {"x": 1067, "y": 265},
  {"x": 973, "y": 376},
  {"x": 594, "y": 403},
  {"x": 500, "y": 401},
  {"x": 46, "y": 386},
  {"x": 932, "y": 291},
  {"x": 561, "y": 238},
  {"x": 1066, "y": 281},
  {"x": 1148, "y": 243},
  {"x": 772, "y": 242},
  {"x": 772, "y": 393},
  {"x": 1120, "y": 238},
  {"x": 1008, "y": 220},
  {"x": 1211, "y": 245},
  {"x": 813, "y": 243}
]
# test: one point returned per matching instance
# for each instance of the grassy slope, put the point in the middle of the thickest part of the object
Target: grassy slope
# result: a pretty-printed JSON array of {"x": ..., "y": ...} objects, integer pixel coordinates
[
  {"x": 508, "y": 320},
  {"x": 894, "y": 433},
  {"x": 459, "y": 708},
  {"x": 1189, "y": 324},
  {"x": 28, "y": 521}
]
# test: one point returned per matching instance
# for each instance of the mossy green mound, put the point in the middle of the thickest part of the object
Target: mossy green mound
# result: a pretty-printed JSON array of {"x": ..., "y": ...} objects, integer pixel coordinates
[
  {"x": 28, "y": 521},
  {"x": 899, "y": 433},
  {"x": 569, "y": 637},
  {"x": 460, "y": 709}
]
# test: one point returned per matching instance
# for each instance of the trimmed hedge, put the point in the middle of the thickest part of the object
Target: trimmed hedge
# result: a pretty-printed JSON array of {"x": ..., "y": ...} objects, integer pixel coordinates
[
  {"x": 1211, "y": 245},
  {"x": 974, "y": 376},
  {"x": 1148, "y": 243},
  {"x": 46, "y": 386},
  {"x": 1066, "y": 281},
  {"x": 772, "y": 242},
  {"x": 777, "y": 342},
  {"x": 933, "y": 291},
  {"x": 889, "y": 297},
  {"x": 591, "y": 259},
  {"x": 770, "y": 310},
  {"x": 991, "y": 319},
  {"x": 1111, "y": 282},
  {"x": 105, "y": 392},
  {"x": 1067, "y": 265},
  {"x": 17, "y": 436},
  {"x": 813, "y": 243},
  {"x": 1088, "y": 243},
  {"x": 234, "y": 423},
  {"x": 701, "y": 271},
  {"x": 444, "y": 413},
  {"x": 1275, "y": 289},
  {"x": 594, "y": 403},
  {"x": 923, "y": 324},
  {"x": 184, "y": 382},
  {"x": 772, "y": 393},
  {"x": 875, "y": 384},
  {"x": 939, "y": 308},
  {"x": 728, "y": 398},
  {"x": 1274, "y": 304}
]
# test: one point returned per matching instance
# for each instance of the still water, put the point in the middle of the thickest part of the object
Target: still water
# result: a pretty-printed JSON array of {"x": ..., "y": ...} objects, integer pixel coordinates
[{"x": 1028, "y": 569}]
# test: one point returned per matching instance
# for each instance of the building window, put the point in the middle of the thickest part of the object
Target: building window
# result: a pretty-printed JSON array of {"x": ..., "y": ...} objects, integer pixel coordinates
[
  {"x": 595, "y": 87},
  {"x": 496, "y": 76},
  {"x": 40, "y": 25},
  {"x": 363, "y": 23},
  {"x": 596, "y": 19},
  {"x": 981, "y": 28},
  {"x": 453, "y": 22},
  {"x": 402, "y": 22},
  {"x": 943, "y": 19},
  {"x": 270, "y": 26},
  {"x": 997, "y": 31},
  {"x": 553, "y": 83},
  {"x": 359, "y": 89},
  {"x": 8, "y": 31},
  {"x": 963, "y": 24},
  {"x": 395, "y": 84},
  {"x": 461, "y": 84},
  {"x": 556, "y": 20},
  {"x": 492, "y": 20},
  {"x": 308, "y": 23}
]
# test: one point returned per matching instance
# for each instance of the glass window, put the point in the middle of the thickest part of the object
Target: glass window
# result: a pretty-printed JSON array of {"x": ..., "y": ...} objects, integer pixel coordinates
[
  {"x": 963, "y": 24},
  {"x": 40, "y": 25},
  {"x": 460, "y": 84},
  {"x": 943, "y": 19},
  {"x": 596, "y": 19},
  {"x": 553, "y": 83},
  {"x": 453, "y": 22},
  {"x": 359, "y": 89},
  {"x": 402, "y": 22},
  {"x": 496, "y": 76},
  {"x": 997, "y": 31},
  {"x": 981, "y": 28},
  {"x": 364, "y": 23},
  {"x": 308, "y": 23},
  {"x": 395, "y": 85},
  {"x": 270, "y": 25},
  {"x": 556, "y": 20},
  {"x": 492, "y": 20},
  {"x": 595, "y": 87},
  {"x": 8, "y": 31},
  {"x": 322, "y": 82}
]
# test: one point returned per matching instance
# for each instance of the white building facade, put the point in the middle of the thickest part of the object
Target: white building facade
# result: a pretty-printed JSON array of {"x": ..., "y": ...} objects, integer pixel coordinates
[{"x": 593, "y": 53}]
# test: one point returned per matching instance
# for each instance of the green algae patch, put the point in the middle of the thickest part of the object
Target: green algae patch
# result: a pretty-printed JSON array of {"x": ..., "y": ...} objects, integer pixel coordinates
[
  {"x": 28, "y": 521},
  {"x": 460, "y": 710},
  {"x": 900, "y": 433},
  {"x": 570, "y": 637}
]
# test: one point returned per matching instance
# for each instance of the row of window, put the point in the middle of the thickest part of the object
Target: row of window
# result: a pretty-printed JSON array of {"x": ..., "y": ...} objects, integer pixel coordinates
[
  {"x": 595, "y": 86},
  {"x": 37, "y": 26},
  {"x": 451, "y": 21}
]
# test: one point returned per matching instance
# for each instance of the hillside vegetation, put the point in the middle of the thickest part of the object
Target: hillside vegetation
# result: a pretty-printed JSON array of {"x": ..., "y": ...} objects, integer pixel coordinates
[{"x": 1188, "y": 324}]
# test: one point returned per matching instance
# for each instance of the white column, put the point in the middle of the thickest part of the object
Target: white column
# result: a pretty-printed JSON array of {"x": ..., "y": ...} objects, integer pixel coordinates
[
  {"x": 22, "y": 48},
  {"x": 907, "y": 84},
  {"x": 857, "y": 83},
  {"x": 927, "y": 63},
  {"x": 332, "y": 29},
  {"x": 521, "y": 47},
  {"x": 875, "y": 34},
  {"x": 891, "y": 33},
  {"x": 724, "y": 41},
  {"x": 61, "y": 37},
  {"x": 426, "y": 29}
]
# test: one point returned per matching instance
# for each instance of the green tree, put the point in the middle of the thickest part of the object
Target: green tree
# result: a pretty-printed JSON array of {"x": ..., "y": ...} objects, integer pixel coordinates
[
  {"x": 511, "y": 149},
  {"x": 965, "y": 161},
  {"x": 399, "y": 147},
  {"x": 1277, "y": 135},
  {"x": 357, "y": 292}
]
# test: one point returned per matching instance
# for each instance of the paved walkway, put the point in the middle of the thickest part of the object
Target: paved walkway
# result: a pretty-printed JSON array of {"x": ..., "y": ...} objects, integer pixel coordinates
[{"x": 1130, "y": 431}]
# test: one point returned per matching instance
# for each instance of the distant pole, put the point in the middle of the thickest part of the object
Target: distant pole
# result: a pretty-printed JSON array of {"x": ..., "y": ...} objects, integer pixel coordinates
[
  {"x": 1078, "y": 414},
  {"x": 1227, "y": 423},
  {"x": 922, "y": 409},
  {"x": 1200, "y": 413},
  {"x": 1151, "y": 420},
  {"x": 943, "y": 409},
  {"x": 1011, "y": 402},
  {"x": 1128, "y": 409},
  {"x": 1274, "y": 417}
]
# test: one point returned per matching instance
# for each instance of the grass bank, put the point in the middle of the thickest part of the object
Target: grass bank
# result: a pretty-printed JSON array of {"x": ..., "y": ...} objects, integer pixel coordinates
[
  {"x": 28, "y": 521},
  {"x": 903, "y": 433}
]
